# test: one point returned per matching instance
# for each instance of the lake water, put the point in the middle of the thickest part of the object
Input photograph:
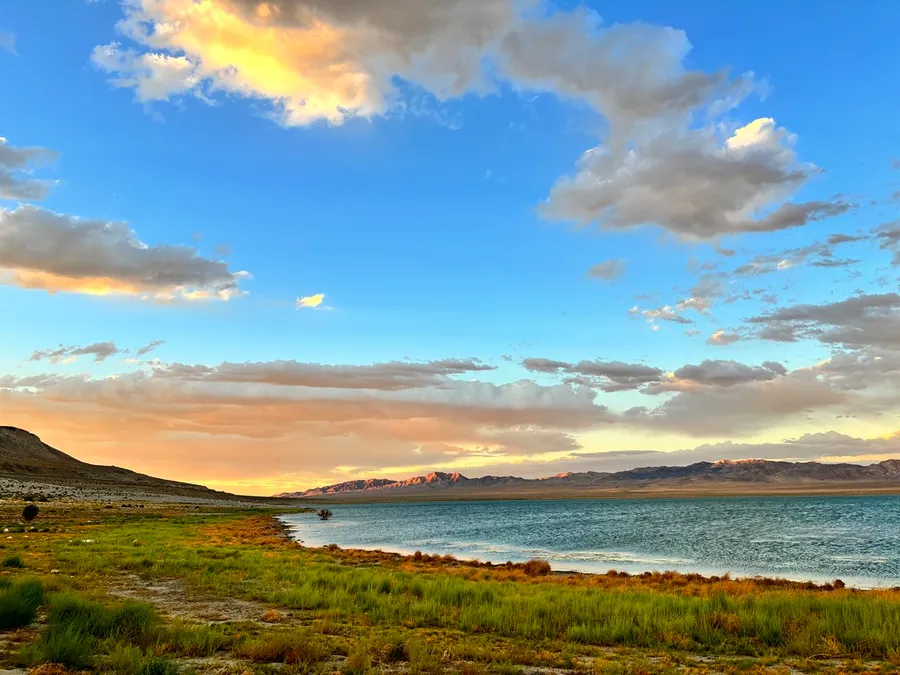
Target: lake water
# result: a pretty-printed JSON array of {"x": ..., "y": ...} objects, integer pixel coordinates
[{"x": 856, "y": 539}]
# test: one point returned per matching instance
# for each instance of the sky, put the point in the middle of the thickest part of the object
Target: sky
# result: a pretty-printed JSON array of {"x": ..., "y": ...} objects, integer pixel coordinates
[{"x": 265, "y": 246}]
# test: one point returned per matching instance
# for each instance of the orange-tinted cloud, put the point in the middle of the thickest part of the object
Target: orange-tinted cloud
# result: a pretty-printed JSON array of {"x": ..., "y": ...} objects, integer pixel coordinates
[{"x": 40, "y": 249}]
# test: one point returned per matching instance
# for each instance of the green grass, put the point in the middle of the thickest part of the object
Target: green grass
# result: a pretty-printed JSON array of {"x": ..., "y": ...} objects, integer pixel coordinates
[
  {"x": 19, "y": 602},
  {"x": 78, "y": 629},
  {"x": 782, "y": 621},
  {"x": 13, "y": 560},
  {"x": 428, "y": 618}
]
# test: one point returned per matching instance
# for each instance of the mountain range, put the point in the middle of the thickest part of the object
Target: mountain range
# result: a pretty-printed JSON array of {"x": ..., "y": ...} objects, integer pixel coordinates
[{"x": 725, "y": 476}]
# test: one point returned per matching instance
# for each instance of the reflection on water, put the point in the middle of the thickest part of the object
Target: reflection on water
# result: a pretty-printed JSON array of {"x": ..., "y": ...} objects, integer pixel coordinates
[{"x": 856, "y": 539}]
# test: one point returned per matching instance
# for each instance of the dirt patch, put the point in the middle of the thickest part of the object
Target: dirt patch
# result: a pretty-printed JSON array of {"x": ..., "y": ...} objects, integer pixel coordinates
[{"x": 173, "y": 598}]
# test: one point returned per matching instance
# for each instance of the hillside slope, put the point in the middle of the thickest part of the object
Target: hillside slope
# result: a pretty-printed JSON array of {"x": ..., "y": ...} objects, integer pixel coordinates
[{"x": 25, "y": 457}]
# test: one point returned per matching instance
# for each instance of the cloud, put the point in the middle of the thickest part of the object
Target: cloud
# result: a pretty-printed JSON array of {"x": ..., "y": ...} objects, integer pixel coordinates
[
  {"x": 720, "y": 338},
  {"x": 149, "y": 347},
  {"x": 389, "y": 376},
  {"x": 154, "y": 77},
  {"x": 316, "y": 61},
  {"x": 729, "y": 373},
  {"x": 15, "y": 168},
  {"x": 888, "y": 236},
  {"x": 821, "y": 254},
  {"x": 861, "y": 321},
  {"x": 8, "y": 42},
  {"x": 99, "y": 350},
  {"x": 664, "y": 313},
  {"x": 608, "y": 270},
  {"x": 262, "y": 420},
  {"x": 694, "y": 184},
  {"x": 609, "y": 376},
  {"x": 311, "y": 301},
  {"x": 632, "y": 74},
  {"x": 41, "y": 249},
  {"x": 310, "y": 61},
  {"x": 711, "y": 409}
]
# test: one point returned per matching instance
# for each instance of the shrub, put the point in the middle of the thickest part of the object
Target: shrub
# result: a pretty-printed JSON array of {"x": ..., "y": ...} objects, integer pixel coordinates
[
  {"x": 536, "y": 568},
  {"x": 13, "y": 561},
  {"x": 30, "y": 512},
  {"x": 19, "y": 603},
  {"x": 324, "y": 514}
]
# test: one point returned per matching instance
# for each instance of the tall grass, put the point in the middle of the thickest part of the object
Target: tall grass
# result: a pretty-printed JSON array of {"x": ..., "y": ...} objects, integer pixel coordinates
[
  {"x": 77, "y": 628},
  {"x": 19, "y": 602}
]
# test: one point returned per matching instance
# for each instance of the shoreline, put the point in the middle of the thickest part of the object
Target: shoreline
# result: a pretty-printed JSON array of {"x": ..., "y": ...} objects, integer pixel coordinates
[
  {"x": 704, "y": 576},
  {"x": 737, "y": 490}
]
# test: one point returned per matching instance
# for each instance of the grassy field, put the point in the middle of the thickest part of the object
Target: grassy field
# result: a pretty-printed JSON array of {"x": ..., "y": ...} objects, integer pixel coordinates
[{"x": 176, "y": 589}]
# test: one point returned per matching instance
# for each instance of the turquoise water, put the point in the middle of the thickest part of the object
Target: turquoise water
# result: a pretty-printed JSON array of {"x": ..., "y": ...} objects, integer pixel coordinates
[{"x": 856, "y": 539}]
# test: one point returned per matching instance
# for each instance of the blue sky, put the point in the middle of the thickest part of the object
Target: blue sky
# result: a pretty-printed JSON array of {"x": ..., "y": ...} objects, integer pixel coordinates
[{"x": 419, "y": 218}]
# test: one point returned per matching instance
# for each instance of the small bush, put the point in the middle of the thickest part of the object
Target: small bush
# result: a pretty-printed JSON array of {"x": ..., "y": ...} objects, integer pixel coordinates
[
  {"x": 13, "y": 561},
  {"x": 324, "y": 514},
  {"x": 30, "y": 512},
  {"x": 358, "y": 662},
  {"x": 19, "y": 603},
  {"x": 536, "y": 568}
]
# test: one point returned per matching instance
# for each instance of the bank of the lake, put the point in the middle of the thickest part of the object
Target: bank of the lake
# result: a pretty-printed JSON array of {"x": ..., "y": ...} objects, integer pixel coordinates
[{"x": 855, "y": 539}]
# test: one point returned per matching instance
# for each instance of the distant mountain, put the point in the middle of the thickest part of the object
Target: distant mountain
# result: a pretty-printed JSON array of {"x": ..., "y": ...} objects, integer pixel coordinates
[
  {"x": 751, "y": 474},
  {"x": 25, "y": 457}
]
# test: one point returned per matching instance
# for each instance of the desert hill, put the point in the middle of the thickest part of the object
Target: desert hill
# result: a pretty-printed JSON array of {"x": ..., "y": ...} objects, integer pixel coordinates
[{"x": 29, "y": 464}]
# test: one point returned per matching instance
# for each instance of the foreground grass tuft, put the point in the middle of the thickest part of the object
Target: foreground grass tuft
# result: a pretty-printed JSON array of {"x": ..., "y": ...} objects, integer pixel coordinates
[
  {"x": 14, "y": 561},
  {"x": 19, "y": 603},
  {"x": 76, "y": 629},
  {"x": 291, "y": 648}
]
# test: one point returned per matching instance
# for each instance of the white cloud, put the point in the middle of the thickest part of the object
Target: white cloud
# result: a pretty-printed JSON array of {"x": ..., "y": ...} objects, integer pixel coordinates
[{"x": 311, "y": 301}]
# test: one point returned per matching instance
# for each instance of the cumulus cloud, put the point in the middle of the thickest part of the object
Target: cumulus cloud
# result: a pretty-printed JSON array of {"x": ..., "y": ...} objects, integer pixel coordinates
[
  {"x": 311, "y": 301},
  {"x": 333, "y": 61},
  {"x": 729, "y": 373},
  {"x": 693, "y": 183},
  {"x": 314, "y": 61},
  {"x": 608, "y": 270},
  {"x": 99, "y": 350},
  {"x": 720, "y": 338},
  {"x": 861, "y": 321},
  {"x": 16, "y": 165},
  {"x": 311, "y": 61},
  {"x": 41, "y": 249},
  {"x": 609, "y": 376}
]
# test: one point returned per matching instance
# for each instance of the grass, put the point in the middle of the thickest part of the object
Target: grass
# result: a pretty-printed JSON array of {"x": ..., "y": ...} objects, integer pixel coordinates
[
  {"x": 19, "y": 602},
  {"x": 373, "y": 609},
  {"x": 13, "y": 561}
]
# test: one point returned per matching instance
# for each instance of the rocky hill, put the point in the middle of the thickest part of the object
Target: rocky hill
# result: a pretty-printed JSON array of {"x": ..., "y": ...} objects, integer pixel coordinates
[
  {"x": 27, "y": 463},
  {"x": 751, "y": 475}
]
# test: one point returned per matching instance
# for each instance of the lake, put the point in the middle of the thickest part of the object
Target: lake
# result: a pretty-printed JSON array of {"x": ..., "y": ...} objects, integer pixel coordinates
[{"x": 856, "y": 539}]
